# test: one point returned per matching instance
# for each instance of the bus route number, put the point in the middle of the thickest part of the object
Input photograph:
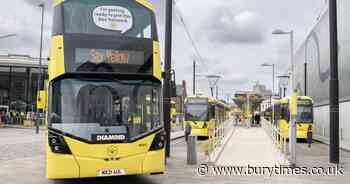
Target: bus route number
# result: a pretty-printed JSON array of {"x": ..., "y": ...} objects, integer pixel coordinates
[{"x": 117, "y": 57}]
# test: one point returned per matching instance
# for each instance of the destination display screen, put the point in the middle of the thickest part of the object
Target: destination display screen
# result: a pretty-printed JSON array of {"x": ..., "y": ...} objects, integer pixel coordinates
[{"x": 109, "y": 56}]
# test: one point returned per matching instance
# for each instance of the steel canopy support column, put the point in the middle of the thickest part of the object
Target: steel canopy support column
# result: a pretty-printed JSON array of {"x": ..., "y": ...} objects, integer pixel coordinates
[
  {"x": 333, "y": 85},
  {"x": 167, "y": 68},
  {"x": 292, "y": 128},
  {"x": 305, "y": 78},
  {"x": 42, "y": 6},
  {"x": 273, "y": 79}
]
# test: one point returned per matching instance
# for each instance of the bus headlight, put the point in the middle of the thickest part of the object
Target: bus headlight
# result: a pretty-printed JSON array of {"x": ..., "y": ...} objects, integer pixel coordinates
[
  {"x": 58, "y": 144},
  {"x": 158, "y": 141}
]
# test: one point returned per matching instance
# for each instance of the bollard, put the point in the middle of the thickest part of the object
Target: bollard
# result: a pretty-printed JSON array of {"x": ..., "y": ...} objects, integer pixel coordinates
[
  {"x": 192, "y": 150},
  {"x": 188, "y": 130},
  {"x": 37, "y": 126},
  {"x": 221, "y": 132},
  {"x": 309, "y": 136},
  {"x": 285, "y": 145}
]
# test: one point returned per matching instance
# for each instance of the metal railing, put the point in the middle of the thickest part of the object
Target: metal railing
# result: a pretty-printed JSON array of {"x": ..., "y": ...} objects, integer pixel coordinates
[
  {"x": 215, "y": 136},
  {"x": 277, "y": 137}
]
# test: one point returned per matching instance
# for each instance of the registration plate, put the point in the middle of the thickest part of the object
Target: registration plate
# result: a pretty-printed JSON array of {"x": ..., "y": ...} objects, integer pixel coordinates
[{"x": 111, "y": 172}]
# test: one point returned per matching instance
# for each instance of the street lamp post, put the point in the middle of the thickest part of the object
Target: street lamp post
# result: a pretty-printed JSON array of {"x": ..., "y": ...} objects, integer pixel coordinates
[
  {"x": 292, "y": 127},
  {"x": 42, "y": 6},
  {"x": 305, "y": 78},
  {"x": 291, "y": 34},
  {"x": 167, "y": 69}
]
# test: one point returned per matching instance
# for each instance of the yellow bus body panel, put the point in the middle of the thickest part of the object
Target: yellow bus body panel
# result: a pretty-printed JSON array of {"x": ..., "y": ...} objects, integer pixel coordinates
[
  {"x": 56, "y": 64},
  {"x": 146, "y": 4},
  {"x": 154, "y": 162},
  {"x": 57, "y": 2},
  {"x": 197, "y": 127},
  {"x": 90, "y": 167},
  {"x": 88, "y": 159},
  {"x": 199, "y": 132},
  {"x": 301, "y": 129},
  {"x": 60, "y": 165},
  {"x": 156, "y": 61},
  {"x": 41, "y": 99}
]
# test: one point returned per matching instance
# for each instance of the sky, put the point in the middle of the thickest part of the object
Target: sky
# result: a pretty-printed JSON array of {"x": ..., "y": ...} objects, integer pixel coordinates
[{"x": 233, "y": 37}]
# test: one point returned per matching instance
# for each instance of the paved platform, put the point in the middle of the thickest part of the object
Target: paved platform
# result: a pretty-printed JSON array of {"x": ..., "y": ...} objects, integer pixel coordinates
[
  {"x": 177, "y": 134},
  {"x": 250, "y": 146}
]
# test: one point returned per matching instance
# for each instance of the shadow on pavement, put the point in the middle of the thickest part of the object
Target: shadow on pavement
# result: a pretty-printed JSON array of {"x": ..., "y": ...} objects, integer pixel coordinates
[{"x": 107, "y": 180}]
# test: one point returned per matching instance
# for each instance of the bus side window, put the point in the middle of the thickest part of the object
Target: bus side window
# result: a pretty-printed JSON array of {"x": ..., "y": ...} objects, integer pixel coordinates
[
  {"x": 211, "y": 112},
  {"x": 285, "y": 113},
  {"x": 277, "y": 112},
  {"x": 282, "y": 113}
]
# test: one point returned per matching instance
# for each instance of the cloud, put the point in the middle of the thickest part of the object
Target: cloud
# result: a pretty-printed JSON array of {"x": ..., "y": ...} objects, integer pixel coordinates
[
  {"x": 234, "y": 79},
  {"x": 24, "y": 19},
  {"x": 226, "y": 26}
]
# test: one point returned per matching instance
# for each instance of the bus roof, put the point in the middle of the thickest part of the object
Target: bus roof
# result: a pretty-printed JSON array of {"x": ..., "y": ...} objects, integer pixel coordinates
[
  {"x": 286, "y": 99},
  {"x": 145, "y": 3}
]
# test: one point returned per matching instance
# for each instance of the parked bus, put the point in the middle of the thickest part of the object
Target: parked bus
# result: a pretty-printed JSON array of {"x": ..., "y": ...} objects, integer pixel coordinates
[
  {"x": 304, "y": 119},
  {"x": 104, "y": 111},
  {"x": 203, "y": 113}
]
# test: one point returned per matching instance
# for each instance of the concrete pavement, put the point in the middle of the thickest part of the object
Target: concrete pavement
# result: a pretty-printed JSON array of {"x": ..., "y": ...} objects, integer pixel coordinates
[
  {"x": 250, "y": 146},
  {"x": 177, "y": 135}
]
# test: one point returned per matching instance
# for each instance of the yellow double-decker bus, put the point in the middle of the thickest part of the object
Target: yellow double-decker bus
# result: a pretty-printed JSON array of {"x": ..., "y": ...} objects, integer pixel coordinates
[
  {"x": 304, "y": 119},
  {"x": 104, "y": 111},
  {"x": 203, "y": 113}
]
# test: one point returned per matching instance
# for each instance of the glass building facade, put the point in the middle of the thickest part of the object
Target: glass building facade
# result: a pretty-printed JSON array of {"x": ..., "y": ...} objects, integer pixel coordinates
[{"x": 19, "y": 83}]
